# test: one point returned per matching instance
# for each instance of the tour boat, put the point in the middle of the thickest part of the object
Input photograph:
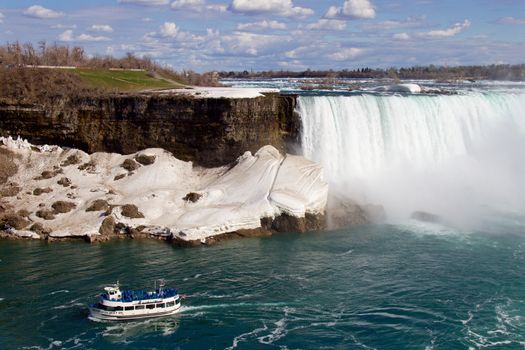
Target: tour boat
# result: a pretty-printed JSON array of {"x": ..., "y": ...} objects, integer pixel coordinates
[{"x": 115, "y": 304}]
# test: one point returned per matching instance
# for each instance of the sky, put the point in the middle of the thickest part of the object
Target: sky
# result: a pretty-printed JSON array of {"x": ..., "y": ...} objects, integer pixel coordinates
[{"x": 205, "y": 35}]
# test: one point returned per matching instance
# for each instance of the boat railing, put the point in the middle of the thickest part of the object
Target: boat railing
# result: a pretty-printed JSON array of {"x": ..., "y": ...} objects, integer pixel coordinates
[{"x": 130, "y": 295}]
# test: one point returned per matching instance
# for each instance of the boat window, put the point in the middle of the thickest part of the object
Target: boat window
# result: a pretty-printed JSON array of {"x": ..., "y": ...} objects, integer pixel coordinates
[
  {"x": 119, "y": 308},
  {"x": 150, "y": 306},
  {"x": 109, "y": 308},
  {"x": 170, "y": 304},
  {"x": 178, "y": 301},
  {"x": 161, "y": 305},
  {"x": 139, "y": 307},
  {"x": 128, "y": 308}
]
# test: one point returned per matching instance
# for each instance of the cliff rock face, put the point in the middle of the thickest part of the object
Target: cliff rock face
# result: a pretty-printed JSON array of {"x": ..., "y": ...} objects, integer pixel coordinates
[{"x": 208, "y": 131}]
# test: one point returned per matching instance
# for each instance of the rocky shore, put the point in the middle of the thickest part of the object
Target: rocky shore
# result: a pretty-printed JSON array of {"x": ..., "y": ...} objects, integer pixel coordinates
[{"x": 53, "y": 193}]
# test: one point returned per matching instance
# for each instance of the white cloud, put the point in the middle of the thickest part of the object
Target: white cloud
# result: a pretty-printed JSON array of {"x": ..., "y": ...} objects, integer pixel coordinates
[
  {"x": 512, "y": 20},
  {"x": 68, "y": 36},
  {"x": 346, "y": 54},
  {"x": 261, "y": 25},
  {"x": 401, "y": 36},
  {"x": 145, "y": 2},
  {"x": 2, "y": 17},
  {"x": 327, "y": 24},
  {"x": 169, "y": 30},
  {"x": 101, "y": 28},
  {"x": 64, "y": 26},
  {"x": 197, "y": 6},
  {"x": 283, "y": 8},
  {"x": 87, "y": 37},
  {"x": 452, "y": 31},
  {"x": 410, "y": 22},
  {"x": 38, "y": 11},
  {"x": 352, "y": 9},
  {"x": 253, "y": 44}
]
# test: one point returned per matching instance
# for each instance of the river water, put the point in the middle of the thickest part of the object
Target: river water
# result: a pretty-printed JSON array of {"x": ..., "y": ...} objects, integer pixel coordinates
[{"x": 409, "y": 286}]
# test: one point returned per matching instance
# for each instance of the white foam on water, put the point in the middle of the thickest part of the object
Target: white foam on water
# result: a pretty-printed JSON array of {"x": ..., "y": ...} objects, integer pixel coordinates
[
  {"x": 188, "y": 309},
  {"x": 245, "y": 336},
  {"x": 59, "y": 291}
]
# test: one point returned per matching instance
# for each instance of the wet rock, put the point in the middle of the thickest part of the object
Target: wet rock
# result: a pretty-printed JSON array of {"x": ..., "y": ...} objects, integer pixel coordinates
[
  {"x": 107, "y": 227},
  {"x": 426, "y": 217},
  {"x": 131, "y": 211},
  {"x": 130, "y": 165},
  {"x": 40, "y": 229},
  {"x": 344, "y": 212},
  {"x": 62, "y": 207},
  {"x": 98, "y": 205},
  {"x": 144, "y": 159},
  {"x": 288, "y": 223},
  {"x": 38, "y": 191},
  {"x": 258, "y": 232},
  {"x": 192, "y": 197}
]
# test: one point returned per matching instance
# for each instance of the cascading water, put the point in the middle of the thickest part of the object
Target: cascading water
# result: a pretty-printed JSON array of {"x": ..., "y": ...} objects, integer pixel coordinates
[{"x": 452, "y": 155}]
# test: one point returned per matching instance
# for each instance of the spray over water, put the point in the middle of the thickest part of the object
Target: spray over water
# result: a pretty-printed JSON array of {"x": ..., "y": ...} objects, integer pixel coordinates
[{"x": 455, "y": 156}]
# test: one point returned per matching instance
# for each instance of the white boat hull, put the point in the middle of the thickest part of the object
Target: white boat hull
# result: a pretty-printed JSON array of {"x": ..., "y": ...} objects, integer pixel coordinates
[{"x": 98, "y": 314}]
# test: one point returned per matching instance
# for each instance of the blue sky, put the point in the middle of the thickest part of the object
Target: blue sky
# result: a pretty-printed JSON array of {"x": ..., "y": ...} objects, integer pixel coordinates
[{"x": 278, "y": 34}]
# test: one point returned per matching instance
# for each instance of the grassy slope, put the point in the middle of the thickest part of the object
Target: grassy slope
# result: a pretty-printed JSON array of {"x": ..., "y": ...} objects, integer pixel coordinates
[{"x": 125, "y": 80}]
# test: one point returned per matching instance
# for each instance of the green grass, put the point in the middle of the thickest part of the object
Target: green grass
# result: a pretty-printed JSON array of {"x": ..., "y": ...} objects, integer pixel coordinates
[{"x": 126, "y": 80}]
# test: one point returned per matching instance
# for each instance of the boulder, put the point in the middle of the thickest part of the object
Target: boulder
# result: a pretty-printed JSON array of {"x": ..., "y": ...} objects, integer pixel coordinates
[
  {"x": 107, "y": 227},
  {"x": 38, "y": 191},
  {"x": 98, "y": 205},
  {"x": 131, "y": 211},
  {"x": 145, "y": 159},
  {"x": 192, "y": 197},
  {"x": 45, "y": 214},
  {"x": 130, "y": 165},
  {"x": 62, "y": 207},
  {"x": 64, "y": 182},
  {"x": 426, "y": 217},
  {"x": 15, "y": 221},
  {"x": 71, "y": 160}
]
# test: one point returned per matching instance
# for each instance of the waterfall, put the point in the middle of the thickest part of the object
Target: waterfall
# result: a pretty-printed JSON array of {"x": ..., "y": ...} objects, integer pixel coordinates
[{"x": 447, "y": 154}]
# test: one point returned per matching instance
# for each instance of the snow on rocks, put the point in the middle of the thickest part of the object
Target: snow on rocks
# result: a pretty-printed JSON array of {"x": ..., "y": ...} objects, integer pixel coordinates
[
  {"x": 221, "y": 92},
  {"x": 408, "y": 88},
  {"x": 223, "y": 200}
]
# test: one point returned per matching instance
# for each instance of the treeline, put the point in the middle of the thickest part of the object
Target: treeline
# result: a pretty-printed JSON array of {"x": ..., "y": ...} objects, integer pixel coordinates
[
  {"x": 441, "y": 73},
  {"x": 17, "y": 55}
]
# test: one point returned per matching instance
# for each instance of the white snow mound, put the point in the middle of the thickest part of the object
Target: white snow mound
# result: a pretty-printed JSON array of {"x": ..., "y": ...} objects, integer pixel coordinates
[{"x": 266, "y": 184}]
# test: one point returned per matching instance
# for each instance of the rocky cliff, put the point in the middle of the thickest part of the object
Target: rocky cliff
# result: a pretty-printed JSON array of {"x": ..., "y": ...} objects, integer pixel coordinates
[{"x": 208, "y": 131}]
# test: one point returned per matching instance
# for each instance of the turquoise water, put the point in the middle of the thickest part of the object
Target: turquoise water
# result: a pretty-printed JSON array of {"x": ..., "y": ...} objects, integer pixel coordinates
[{"x": 371, "y": 287}]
